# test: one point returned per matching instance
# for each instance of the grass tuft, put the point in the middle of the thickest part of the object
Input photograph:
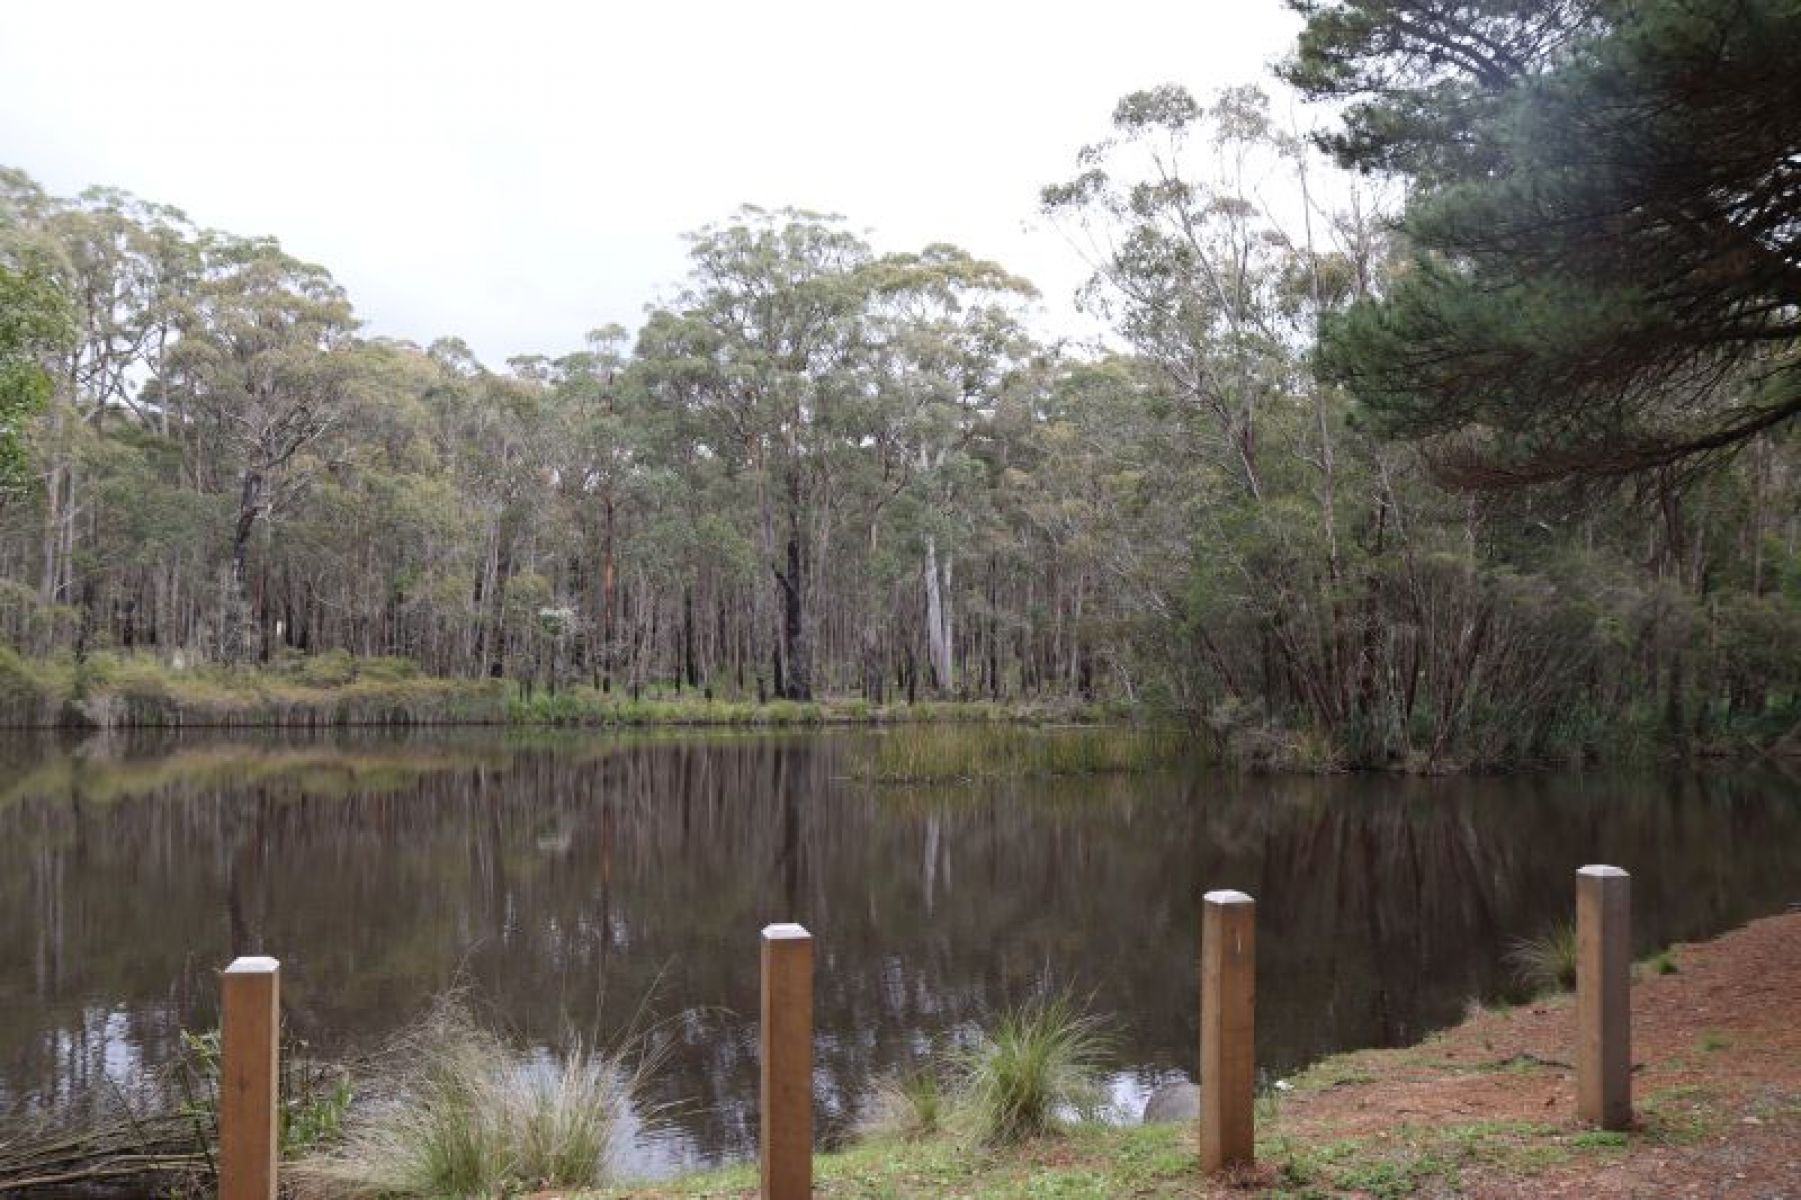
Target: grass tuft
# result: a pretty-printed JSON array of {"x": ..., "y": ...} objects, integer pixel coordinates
[
  {"x": 462, "y": 1115},
  {"x": 1040, "y": 1062},
  {"x": 911, "y": 1105},
  {"x": 1546, "y": 962}
]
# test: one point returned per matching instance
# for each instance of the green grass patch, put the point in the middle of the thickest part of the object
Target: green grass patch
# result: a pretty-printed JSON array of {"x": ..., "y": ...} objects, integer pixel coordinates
[
  {"x": 124, "y": 690},
  {"x": 588, "y": 706},
  {"x": 1680, "y": 1115},
  {"x": 1104, "y": 1162},
  {"x": 1086, "y": 1162},
  {"x": 1341, "y": 1070},
  {"x": 112, "y": 691},
  {"x": 915, "y": 755},
  {"x": 1600, "y": 1139}
]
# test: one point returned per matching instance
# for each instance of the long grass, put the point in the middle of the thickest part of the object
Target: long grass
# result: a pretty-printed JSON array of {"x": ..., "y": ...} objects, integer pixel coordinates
[
  {"x": 910, "y": 1104},
  {"x": 1546, "y": 962},
  {"x": 910, "y": 754},
  {"x": 580, "y": 704},
  {"x": 462, "y": 1115},
  {"x": 1039, "y": 1063}
]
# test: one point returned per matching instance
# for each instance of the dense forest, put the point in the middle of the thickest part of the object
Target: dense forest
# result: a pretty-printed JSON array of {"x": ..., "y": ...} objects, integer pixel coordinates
[{"x": 1499, "y": 472}]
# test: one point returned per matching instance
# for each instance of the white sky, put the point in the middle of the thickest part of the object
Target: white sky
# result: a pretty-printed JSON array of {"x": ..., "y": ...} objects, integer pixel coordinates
[{"x": 518, "y": 173}]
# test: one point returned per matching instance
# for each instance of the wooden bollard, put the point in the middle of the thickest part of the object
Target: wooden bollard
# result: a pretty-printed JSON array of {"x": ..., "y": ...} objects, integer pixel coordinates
[
  {"x": 251, "y": 1002},
  {"x": 787, "y": 1036},
  {"x": 1604, "y": 996},
  {"x": 1228, "y": 1029}
]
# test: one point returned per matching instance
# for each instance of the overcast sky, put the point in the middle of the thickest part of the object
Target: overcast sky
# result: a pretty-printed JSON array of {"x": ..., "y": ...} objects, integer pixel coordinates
[{"x": 518, "y": 173}]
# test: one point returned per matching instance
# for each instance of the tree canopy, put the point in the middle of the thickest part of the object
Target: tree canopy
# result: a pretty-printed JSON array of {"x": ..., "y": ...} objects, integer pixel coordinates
[
  {"x": 1605, "y": 232},
  {"x": 33, "y": 321},
  {"x": 823, "y": 469}
]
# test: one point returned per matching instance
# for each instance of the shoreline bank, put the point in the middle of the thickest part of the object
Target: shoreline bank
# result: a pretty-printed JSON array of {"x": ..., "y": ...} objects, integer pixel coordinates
[
  {"x": 337, "y": 691},
  {"x": 1483, "y": 1109}
]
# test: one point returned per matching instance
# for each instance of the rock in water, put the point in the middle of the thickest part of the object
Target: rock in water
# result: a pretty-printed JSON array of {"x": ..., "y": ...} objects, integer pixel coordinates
[{"x": 1178, "y": 1101}]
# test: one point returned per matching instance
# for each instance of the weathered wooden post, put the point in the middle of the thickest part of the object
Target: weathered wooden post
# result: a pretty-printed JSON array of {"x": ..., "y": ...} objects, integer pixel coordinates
[
  {"x": 787, "y": 1033},
  {"x": 251, "y": 1025},
  {"x": 1228, "y": 1029},
  {"x": 1604, "y": 996}
]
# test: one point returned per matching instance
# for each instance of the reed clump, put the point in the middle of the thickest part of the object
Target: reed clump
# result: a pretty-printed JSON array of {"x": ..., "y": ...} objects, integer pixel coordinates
[
  {"x": 910, "y": 1105},
  {"x": 1028, "y": 1070},
  {"x": 1546, "y": 962},
  {"x": 1039, "y": 1063},
  {"x": 457, "y": 1113},
  {"x": 910, "y": 754}
]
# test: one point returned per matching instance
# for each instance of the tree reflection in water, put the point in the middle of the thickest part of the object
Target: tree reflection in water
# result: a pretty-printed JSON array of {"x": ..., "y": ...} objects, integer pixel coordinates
[{"x": 578, "y": 882}]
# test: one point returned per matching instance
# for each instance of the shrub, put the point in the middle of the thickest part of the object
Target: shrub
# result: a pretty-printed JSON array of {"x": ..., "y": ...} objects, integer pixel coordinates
[{"x": 27, "y": 697}]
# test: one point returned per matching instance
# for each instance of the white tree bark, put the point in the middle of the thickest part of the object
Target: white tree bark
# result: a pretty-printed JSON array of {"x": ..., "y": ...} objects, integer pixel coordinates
[{"x": 938, "y": 615}]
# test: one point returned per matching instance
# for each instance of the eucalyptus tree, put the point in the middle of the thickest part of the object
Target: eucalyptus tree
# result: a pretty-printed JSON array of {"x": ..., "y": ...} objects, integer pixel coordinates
[
  {"x": 1103, "y": 512},
  {"x": 378, "y": 554},
  {"x": 947, "y": 333},
  {"x": 1218, "y": 286},
  {"x": 764, "y": 353},
  {"x": 258, "y": 365},
  {"x": 33, "y": 325},
  {"x": 600, "y": 450},
  {"x": 500, "y": 443},
  {"x": 1188, "y": 265},
  {"x": 120, "y": 263}
]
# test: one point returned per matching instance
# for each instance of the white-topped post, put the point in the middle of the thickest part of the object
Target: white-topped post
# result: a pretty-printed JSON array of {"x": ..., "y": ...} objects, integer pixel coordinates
[
  {"x": 1604, "y": 996},
  {"x": 250, "y": 1002},
  {"x": 787, "y": 1063},
  {"x": 1228, "y": 1029}
]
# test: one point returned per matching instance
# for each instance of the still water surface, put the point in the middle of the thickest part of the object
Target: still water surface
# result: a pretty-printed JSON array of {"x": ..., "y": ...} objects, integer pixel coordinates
[{"x": 587, "y": 882}]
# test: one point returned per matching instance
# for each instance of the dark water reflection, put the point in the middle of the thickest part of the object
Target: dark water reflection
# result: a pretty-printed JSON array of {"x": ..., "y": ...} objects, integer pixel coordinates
[{"x": 568, "y": 878}]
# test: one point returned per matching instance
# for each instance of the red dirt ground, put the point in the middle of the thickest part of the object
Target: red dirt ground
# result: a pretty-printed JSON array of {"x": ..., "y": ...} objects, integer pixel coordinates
[{"x": 1716, "y": 1051}]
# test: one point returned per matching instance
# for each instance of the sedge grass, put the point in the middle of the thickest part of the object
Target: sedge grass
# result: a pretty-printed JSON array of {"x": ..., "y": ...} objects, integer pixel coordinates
[
  {"x": 913, "y": 754},
  {"x": 459, "y": 1114},
  {"x": 1546, "y": 962},
  {"x": 1039, "y": 1062},
  {"x": 910, "y": 1105}
]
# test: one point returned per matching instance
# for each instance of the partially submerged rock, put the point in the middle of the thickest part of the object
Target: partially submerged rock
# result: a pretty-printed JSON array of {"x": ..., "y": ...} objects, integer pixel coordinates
[{"x": 1172, "y": 1102}]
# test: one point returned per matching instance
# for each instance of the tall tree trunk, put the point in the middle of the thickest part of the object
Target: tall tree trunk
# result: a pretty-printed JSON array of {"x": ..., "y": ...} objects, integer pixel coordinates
[
  {"x": 53, "y": 490},
  {"x": 689, "y": 669},
  {"x": 497, "y": 600},
  {"x": 797, "y": 639},
  {"x": 938, "y": 617},
  {"x": 237, "y": 631},
  {"x": 607, "y": 584}
]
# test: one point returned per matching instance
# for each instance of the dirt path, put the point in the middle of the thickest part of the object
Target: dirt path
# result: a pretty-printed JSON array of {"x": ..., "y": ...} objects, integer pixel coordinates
[{"x": 1488, "y": 1108}]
